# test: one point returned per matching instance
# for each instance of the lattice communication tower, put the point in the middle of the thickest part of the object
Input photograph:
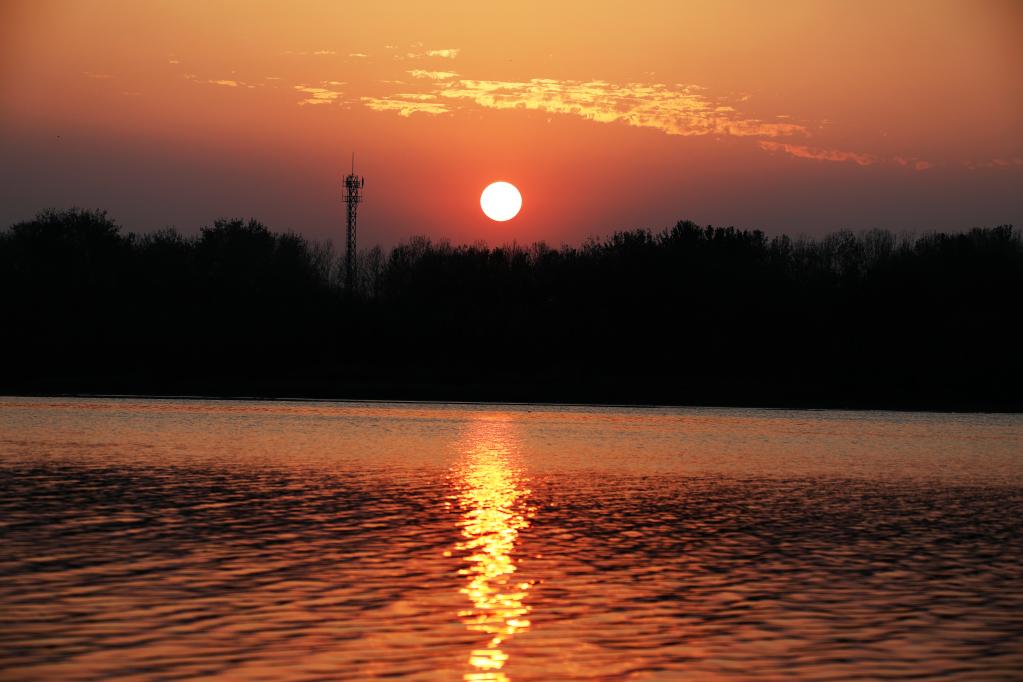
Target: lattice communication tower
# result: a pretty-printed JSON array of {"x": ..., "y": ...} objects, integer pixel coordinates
[{"x": 353, "y": 197}]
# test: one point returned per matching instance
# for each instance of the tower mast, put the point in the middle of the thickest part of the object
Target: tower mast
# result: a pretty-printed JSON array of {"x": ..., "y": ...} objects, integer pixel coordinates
[{"x": 352, "y": 197}]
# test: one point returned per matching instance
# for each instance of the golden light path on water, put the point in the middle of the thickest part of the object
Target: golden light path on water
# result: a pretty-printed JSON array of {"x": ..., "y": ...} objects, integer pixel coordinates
[{"x": 492, "y": 500}]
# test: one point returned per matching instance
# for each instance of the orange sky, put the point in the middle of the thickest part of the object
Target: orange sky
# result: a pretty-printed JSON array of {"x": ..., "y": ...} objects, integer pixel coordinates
[{"x": 798, "y": 117}]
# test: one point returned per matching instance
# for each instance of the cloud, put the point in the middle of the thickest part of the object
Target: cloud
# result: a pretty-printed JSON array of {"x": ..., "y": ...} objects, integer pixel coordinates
[
  {"x": 223, "y": 82},
  {"x": 678, "y": 110},
  {"x": 432, "y": 75},
  {"x": 819, "y": 153},
  {"x": 318, "y": 95},
  {"x": 405, "y": 106},
  {"x": 914, "y": 163},
  {"x": 683, "y": 110},
  {"x": 1000, "y": 163},
  {"x": 839, "y": 155},
  {"x": 358, "y": 55},
  {"x": 449, "y": 53},
  {"x": 416, "y": 96},
  {"x": 446, "y": 54}
]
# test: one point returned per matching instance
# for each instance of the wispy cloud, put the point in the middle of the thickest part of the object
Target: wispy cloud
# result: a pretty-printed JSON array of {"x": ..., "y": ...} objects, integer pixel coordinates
[
  {"x": 841, "y": 155},
  {"x": 914, "y": 163},
  {"x": 819, "y": 153},
  {"x": 222, "y": 82},
  {"x": 415, "y": 96},
  {"x": 415, "y": 53},
  {"x": 432, "y": 75},
  {"x": 1001, "y": 163},
  {"x": 317, "y": 95},
  {"x": 682, "y": 110},
  {"x": 450, "y": 53},
  {"x": 358, "y": 55},
  {"x": 678, "y": 110},
  {"x": 407, "y": 106}
]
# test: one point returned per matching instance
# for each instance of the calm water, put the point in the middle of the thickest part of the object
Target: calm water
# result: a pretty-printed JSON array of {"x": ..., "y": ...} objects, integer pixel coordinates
[{"x": 159, "y": 540}]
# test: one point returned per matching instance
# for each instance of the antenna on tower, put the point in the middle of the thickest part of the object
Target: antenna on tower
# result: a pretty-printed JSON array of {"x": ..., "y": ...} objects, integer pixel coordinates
[{"x": 353, "y": 197}]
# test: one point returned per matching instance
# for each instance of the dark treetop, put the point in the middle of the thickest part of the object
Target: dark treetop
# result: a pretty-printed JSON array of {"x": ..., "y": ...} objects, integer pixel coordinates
[{"x": 689, "y": 315}]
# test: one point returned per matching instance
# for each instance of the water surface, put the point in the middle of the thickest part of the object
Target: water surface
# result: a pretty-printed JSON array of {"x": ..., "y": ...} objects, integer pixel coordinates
[{"x": 181, "y": 539}]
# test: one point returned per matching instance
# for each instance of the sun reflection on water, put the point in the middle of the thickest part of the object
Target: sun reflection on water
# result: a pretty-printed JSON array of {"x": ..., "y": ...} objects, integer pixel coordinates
[{"x": 492, "y": 499}]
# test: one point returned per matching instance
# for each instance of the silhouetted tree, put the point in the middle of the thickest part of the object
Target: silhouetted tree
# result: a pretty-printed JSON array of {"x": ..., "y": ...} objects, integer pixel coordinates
[{"x": 687, "y": 314}]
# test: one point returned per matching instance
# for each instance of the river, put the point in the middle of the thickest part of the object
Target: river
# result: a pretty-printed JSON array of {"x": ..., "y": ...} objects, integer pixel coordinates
[{"x": 151, "y": 539}]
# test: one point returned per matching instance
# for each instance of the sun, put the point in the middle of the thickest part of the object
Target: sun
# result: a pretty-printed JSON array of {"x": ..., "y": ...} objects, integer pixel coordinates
[{"x": 501, "y": 201}]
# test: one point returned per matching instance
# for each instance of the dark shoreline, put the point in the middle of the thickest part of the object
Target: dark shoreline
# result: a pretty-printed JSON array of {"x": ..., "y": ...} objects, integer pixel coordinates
[
  {"x": 688, "y": 316},
  {"x": 415, "y": 397}
]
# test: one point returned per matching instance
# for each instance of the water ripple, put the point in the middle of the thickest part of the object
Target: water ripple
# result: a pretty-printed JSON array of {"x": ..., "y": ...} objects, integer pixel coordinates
[{"x": 443, "y": 543}]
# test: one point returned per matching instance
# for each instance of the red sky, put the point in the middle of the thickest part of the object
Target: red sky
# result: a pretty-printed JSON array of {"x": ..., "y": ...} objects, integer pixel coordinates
[{"x": 797, "y": 117}]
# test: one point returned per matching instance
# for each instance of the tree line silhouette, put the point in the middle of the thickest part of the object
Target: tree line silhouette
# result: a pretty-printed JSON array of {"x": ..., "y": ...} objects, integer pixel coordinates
[{"x": 688, "y": 315}]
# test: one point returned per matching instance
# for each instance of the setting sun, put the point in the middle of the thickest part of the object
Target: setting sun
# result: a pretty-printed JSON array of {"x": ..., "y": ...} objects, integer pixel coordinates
[{"x": 501, "y": 201}]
